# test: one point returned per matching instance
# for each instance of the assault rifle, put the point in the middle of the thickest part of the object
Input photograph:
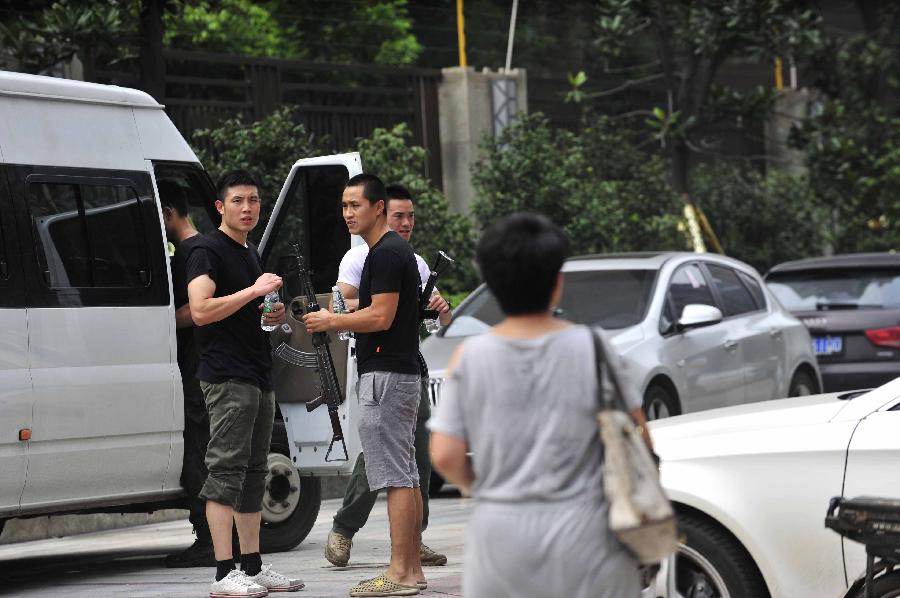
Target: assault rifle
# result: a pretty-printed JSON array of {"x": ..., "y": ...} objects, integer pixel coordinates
[
  {"x": 330, "y": 388},
  {"x": 443, "y": 263}
]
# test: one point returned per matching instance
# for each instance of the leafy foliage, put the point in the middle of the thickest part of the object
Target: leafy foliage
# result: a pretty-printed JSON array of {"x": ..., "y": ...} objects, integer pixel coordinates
[
  {"x": 760, "y": 219},
  {"x": 65, "y": 28},
  {"x": 389, "y": 154},
  {"x": 852, "y": 140},
  {"x": 268, "y": 148},
  {"x": 684, "y": 44},
  {"x": 607, "y": 194},
  {"x": 229, "y": 26}
]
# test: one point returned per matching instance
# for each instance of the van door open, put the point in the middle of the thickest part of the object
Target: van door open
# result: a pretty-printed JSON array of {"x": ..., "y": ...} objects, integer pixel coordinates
[
  {"x": 308, "y": 213},
  {"x": 15, "y": 381}
]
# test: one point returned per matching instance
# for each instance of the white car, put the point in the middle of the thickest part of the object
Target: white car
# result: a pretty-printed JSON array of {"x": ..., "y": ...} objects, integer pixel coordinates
[
  {"x": 751, "y": 485},
  {"x": 695, "y": 331}
]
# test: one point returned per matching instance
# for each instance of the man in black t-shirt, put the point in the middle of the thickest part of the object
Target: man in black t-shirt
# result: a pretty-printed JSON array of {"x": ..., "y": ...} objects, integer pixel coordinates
[
  {"x": 181, "y": 233},
  {"x": 225, "y": 287},
  {"x": 387, "y": 343}
]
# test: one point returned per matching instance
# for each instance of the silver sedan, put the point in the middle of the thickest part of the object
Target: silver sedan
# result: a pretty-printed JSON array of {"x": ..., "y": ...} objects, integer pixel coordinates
[{"x": 693, "y": 331}]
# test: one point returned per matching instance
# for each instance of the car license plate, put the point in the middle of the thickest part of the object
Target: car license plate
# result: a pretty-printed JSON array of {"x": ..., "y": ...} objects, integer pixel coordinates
[{"x": 828, "y": 345}]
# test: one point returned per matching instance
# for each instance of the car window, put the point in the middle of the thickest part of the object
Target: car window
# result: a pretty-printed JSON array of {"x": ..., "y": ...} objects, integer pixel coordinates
[
  {"x": 858, "y": 288},
  {"x": 736, "y": 299},
  {"x": 688, "y": 286},
  {"x": 755, "y": 289},
  {"x": 611, "y": 299},
  {"x": 89, "y": 235}
]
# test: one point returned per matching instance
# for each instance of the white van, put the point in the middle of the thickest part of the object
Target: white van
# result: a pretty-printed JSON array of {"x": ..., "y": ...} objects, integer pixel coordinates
[{"x": 91, "y": 412}]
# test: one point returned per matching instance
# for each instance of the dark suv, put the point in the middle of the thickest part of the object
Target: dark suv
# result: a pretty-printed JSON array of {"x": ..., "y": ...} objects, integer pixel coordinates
[{"x": 851, "y": 305}]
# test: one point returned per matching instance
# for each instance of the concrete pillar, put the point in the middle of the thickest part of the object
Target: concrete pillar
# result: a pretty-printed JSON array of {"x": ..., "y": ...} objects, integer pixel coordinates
[
  {"x": 791, "y": 108},
  {"x": 473, "y": 105}
]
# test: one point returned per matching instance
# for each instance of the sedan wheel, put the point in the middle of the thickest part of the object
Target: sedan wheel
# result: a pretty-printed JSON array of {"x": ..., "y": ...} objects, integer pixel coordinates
[
  {"x": 710, "y": 564},
  {"x": 802, "y": 385},
  {"x": 658, "y": 403}
]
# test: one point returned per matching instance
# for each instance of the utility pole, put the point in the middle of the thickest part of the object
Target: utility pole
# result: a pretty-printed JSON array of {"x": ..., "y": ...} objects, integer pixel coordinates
[{"x": 461, "y": 33}]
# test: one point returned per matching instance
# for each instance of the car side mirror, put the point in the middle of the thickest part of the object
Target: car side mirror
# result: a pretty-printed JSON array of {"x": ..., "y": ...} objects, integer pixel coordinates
[{"x": 696, "y": 315}]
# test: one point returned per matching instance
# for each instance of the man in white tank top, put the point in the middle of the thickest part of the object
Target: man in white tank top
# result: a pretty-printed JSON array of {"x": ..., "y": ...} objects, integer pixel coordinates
[{"x": 358, "y": 498}]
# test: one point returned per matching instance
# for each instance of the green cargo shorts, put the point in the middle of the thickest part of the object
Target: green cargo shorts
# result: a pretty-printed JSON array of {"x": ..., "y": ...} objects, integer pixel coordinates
[{"x": 241, "y": 416}]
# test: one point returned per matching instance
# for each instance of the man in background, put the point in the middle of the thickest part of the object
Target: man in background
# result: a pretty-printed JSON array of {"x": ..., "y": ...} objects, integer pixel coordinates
[{"x": 359, "y": 500}]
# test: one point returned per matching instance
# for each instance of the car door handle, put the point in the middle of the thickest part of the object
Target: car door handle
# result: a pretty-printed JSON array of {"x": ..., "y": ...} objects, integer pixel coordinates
[
  {"x": 775, "y": 333},
  {"x": 730, "y": 345}
]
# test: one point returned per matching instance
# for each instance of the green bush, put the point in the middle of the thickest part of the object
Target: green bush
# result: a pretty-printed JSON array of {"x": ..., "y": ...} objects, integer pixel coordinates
[
  {"x": 389, "y": 154},
  {"x": 268, "y": 148},
  {"x": 606, "y": 194},
  {"x": 760, "y": 219}
]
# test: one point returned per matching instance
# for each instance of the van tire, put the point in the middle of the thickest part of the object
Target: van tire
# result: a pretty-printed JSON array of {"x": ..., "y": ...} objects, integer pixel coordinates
[{"x": 285, "y": 535}]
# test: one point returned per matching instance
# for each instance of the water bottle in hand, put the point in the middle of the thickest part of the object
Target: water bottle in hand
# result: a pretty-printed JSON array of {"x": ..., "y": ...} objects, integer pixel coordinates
[
  {"x": 339, "y": 307},
  {"x": 268, "y": 306}
]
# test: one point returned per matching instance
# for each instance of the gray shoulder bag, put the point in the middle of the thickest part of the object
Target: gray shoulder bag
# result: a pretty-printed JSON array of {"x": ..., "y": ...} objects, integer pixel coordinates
[{"x": 640, "y": 514}]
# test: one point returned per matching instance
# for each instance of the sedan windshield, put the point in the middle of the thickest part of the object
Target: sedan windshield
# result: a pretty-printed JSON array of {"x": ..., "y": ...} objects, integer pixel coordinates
[
  {"x": 611, "y": 299},
  {"x": 837, "y": 289}
]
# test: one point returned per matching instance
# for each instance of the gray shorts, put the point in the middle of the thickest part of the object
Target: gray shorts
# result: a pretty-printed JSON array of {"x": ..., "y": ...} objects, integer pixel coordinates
[{"x": 388, "y": 403}]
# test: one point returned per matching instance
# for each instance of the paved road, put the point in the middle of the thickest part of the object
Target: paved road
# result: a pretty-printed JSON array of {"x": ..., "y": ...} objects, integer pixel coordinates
[{"x": 129, "y": 562}]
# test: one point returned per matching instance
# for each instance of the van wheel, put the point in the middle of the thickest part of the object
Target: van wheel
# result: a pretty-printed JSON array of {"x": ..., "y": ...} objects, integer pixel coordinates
[
  {"x": 290, "y": 504},
  {"x": 658, "y": 403}
]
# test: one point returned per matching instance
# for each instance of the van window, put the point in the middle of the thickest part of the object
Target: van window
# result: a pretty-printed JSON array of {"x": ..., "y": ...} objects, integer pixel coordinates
[
  {"x": 12, "y": 291},
  {"x": 190, "y": 183},
  {"x": 88, "y": 235}
]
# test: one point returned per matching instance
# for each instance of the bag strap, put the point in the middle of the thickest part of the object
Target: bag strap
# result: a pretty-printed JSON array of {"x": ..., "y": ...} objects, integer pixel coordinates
[{"x": 599, "y": 359}]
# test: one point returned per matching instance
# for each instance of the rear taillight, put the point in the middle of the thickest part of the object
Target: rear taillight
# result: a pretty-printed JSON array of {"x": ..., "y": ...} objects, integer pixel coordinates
[{"x": 885, "y": 337}]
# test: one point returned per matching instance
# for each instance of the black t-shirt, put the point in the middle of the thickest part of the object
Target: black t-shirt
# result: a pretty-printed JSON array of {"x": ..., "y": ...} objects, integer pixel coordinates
[
  {"x": 391, "y": 267},
  {"x": 187, "y": 346},
  {"x": 235, "y": 347}
]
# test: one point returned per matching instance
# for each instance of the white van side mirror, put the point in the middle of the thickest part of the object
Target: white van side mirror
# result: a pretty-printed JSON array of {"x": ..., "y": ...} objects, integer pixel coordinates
[{"x": 696, "y": 315}]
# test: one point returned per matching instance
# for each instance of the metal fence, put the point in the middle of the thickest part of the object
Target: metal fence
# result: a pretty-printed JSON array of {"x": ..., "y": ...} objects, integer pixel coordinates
[{"x": 340, "y": 101}]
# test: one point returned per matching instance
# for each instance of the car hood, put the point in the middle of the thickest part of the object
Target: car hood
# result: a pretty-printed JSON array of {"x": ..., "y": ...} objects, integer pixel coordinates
[
  {"x": 717, "y": 429},
  {"x": 437, "y": 351}
]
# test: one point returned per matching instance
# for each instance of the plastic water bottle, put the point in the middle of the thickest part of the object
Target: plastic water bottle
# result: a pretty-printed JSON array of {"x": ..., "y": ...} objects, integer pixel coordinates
[
  {"x": 432, "y": 325},
  {"x": 339, "y": 307},
  {"x": 268, "y": 305}
]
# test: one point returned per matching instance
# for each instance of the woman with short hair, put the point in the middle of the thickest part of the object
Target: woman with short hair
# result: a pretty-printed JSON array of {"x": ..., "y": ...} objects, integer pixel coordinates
[{"x": 522, "y": 399}]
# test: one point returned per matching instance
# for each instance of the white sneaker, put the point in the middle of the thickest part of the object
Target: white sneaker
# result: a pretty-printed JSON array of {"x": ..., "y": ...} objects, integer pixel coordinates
[
  {"x": 274, "y": 581},
  {"x": 237, "y": 584}
]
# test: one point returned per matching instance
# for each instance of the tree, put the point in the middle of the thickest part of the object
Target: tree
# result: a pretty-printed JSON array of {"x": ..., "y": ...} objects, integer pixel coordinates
[
  {"x": 762, "y": 219},
  {"x": 270, "y": 147},
  {"x": 390, "y": 154},
  {"x": 37, "y": 42},
  {"x": 229, "y": 26},
  {"x": 852, "y": 140},
  {"x": 685, "y": 44},
  {"x": 602, "y": 190}
]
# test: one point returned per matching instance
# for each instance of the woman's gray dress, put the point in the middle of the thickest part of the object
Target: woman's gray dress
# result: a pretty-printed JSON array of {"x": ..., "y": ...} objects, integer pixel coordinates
[{"x": 526, "y": 408}]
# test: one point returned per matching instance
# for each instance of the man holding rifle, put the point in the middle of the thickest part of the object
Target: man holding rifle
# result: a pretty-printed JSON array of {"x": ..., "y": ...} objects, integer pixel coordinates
[
  {"x": 358, "y": 498},
  {"x": 387, "y": 325}
]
